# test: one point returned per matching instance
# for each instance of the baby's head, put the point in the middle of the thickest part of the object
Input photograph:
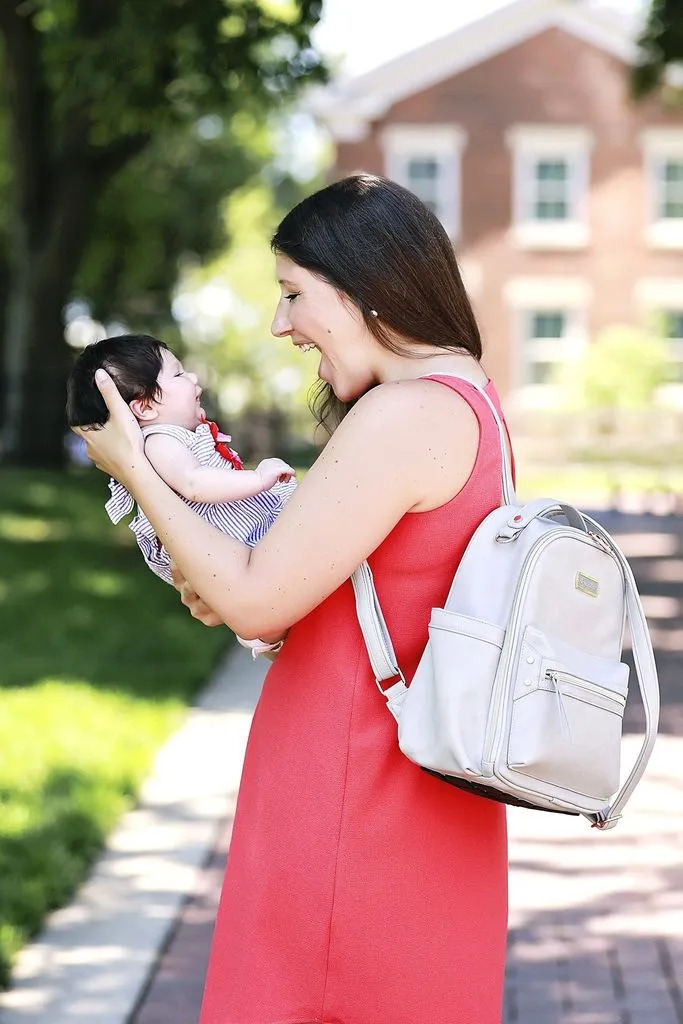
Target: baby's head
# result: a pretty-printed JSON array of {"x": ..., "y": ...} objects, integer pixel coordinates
[{"x": 149, "y": 377}]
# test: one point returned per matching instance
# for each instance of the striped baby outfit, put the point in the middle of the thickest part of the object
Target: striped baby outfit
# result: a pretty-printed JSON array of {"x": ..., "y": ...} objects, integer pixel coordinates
[{"x": 247, "y": 519}]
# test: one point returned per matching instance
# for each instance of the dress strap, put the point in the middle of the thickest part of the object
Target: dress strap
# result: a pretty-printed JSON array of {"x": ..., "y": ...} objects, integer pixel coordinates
[{"x": 461, "y": 384}]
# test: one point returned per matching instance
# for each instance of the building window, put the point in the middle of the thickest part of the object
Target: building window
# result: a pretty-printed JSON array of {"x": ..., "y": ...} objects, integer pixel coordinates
[
  {"x": 670, "y": 190},
  {"x": 543, "y": 344},
  {"x": 548, "y": 322},
  {"x": 426, "y": 159},
  {"x": 551, "y": 198},
  {"x": 663, "y": 154},
  {"x": 550, "y": 186},
  {"x": 673, "y": 329},
  {"x": 422, "y": 178},
  {"x": 661, "y": 305}
]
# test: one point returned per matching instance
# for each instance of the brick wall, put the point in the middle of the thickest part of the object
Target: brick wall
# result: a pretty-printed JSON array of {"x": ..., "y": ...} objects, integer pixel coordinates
[{"x": 552, "y": 78}]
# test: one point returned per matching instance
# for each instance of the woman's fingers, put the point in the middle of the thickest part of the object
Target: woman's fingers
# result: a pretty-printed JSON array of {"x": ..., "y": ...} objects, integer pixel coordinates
[
  {"x": 190, "y": 598},
  {"x": 197, "y": 607},
  {"x": 110, "y": 393},
  {"x": 200, "y": 610},
  {"x": 177, "y": 577},
  {"x": 116, "y": 447}
]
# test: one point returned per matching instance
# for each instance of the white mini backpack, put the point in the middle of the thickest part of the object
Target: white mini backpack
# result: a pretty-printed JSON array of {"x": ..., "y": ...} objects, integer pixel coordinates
[{"x": 520, "y": 693}]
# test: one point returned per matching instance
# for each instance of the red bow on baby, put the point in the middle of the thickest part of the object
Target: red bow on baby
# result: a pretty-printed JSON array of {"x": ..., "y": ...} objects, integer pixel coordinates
[{"x": 221, "y": 447}]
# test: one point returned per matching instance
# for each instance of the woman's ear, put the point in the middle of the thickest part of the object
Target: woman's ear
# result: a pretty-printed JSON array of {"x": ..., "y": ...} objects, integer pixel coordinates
[{"x": 144, "y": 409}]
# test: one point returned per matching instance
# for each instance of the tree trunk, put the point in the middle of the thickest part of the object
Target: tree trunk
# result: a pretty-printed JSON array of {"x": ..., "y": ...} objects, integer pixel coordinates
[
  {"x": 37, "y": 360},
  {"x": 4, "y": 286},
  {"x": 36, "y": 367},
  {"x": 56, "y": 182}
]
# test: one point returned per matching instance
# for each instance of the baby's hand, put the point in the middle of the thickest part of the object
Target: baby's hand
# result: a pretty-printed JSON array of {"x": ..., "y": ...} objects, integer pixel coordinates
[{"x": 274, "y": 471}]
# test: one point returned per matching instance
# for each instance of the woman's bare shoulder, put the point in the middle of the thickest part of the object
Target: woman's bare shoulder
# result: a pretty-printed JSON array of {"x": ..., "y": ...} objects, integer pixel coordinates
[
  {"x": 412, "y": 407},
  {"x": 417, "y": 425}
]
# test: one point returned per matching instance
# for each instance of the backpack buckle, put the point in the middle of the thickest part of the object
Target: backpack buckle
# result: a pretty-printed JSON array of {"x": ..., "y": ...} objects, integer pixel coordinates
[
  {"x": 606, "y": 823},
  {"x": 505, "y": 538}
]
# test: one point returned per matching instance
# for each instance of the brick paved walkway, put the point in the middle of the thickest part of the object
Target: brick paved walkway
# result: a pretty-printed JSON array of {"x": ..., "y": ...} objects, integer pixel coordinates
[{"x": 596, "y": 920}]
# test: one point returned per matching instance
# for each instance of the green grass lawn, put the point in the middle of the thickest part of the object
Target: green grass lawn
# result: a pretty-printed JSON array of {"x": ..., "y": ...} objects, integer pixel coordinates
[
  {"x": 98, "y": 660},
  {"x": 593, "y": 482}
]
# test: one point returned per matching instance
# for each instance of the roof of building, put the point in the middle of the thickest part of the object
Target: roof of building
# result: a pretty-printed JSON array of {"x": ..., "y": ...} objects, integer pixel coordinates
[{"x": 347, "y": 106}]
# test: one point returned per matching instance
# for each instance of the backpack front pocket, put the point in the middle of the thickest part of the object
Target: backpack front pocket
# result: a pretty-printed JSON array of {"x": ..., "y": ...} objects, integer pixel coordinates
[
  {"x": 463, "y": 658},
  {"x": 566, "y": 717}
]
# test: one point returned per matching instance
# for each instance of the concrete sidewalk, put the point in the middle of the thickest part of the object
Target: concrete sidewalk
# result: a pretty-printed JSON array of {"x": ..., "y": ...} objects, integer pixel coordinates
[{"x": 596, "y": 920}]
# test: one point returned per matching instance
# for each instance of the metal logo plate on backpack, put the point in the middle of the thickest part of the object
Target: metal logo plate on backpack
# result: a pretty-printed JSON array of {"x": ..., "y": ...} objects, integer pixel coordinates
[{"x": 587, "y": 585}]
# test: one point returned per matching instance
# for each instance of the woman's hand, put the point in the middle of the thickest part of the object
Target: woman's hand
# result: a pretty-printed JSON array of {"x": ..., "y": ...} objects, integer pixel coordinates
[
  {"x": 198, "y": 608},
  {"x": 117, "y": 448}
]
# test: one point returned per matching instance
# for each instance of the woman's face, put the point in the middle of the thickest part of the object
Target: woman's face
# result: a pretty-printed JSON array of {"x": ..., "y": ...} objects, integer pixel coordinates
[{"x": 312, "y": 312}]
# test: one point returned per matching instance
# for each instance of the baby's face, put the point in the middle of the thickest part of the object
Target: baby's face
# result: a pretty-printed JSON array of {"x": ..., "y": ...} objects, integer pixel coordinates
[{"x": 179, "y": 401}]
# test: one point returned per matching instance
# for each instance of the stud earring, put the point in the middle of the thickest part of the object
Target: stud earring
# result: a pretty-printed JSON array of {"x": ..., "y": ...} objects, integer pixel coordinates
[{"x": 373, "y": 312}]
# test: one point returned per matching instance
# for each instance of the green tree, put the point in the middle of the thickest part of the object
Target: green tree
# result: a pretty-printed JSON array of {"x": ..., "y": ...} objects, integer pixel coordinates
[
  {"x": 621, "y": 370},
  {"x": 226, "y": 308},
  {"x": 661, "y": 46},
  {"x": 95, "y": 95},
  {"x": 164, "y": 205}
]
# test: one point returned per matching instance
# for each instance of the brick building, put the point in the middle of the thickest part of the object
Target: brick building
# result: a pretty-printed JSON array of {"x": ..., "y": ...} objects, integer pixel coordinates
[{"x": 563, "y": 198}]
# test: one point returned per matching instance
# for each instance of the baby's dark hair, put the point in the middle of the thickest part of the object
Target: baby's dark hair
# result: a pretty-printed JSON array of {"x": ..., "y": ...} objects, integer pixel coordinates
[{"x": 134, "y": 361}]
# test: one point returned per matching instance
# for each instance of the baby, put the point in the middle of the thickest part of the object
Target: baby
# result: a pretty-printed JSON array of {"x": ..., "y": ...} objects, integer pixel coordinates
[{"x": 186, "y": 450}]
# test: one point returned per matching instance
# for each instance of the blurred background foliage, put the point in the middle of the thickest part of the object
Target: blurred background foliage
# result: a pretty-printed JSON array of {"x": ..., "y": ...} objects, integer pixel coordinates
[
  {"x": 623, "y": 368},
  {"x": 122, "y": 127}
]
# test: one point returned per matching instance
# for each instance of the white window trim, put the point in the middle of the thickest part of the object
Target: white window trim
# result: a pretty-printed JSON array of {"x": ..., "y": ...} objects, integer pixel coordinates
[
  {"x": 660, "y": 144},
  {"x": 526, "y": 295},
  {"x": 442, "y": 142},
  {"x": 654, "y": 293},
  {"x": 530, "y": 143},
  {"x": 657, "y": 295}
]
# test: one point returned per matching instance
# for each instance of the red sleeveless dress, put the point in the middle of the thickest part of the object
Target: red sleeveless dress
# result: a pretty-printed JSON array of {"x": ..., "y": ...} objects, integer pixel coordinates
[{"x": 359, "y": 889}]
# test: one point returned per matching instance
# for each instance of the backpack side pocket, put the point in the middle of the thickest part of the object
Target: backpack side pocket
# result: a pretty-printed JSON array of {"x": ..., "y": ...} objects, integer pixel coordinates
[{"x": 454, "y": 680}]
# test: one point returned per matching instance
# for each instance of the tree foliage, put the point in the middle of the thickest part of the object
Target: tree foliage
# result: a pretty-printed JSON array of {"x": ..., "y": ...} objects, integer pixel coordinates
[
  {"x": 122, "y": 120},
  {"x": 621, "y": 369},
  {"x": 661, "y": 46},
  {"x": 226, "y": 309},
  {"x": 163, "y": 207}
]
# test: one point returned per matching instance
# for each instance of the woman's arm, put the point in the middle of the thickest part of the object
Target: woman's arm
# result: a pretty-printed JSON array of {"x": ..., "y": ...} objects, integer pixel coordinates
[
  {"x": 180, "y": 469},
  {"x": 401, "y": 445}
]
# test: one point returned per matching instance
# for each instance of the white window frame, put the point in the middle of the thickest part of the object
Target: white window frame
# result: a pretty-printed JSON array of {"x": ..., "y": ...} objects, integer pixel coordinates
[
  {"x": 659, "y": 146},
  {"x": 663, "y": 295},
  {"x": 527, "y": 296},
  {"x": 443, "y": 143},
  {"x": 677, "y": 341},
  {"x": 529, "y": 145}
]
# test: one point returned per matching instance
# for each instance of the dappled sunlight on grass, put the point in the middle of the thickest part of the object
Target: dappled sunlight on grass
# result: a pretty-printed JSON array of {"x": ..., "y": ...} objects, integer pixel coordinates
[
  {"x": 57, "y": 506},
  {"x": 32, "y": 529},
  {"x": 102, "y": 584},
  {"x": 98, "y": 660}
]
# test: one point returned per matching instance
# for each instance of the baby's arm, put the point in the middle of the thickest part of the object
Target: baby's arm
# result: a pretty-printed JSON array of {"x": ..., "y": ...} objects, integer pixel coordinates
[{"x": 180, "y": 469}]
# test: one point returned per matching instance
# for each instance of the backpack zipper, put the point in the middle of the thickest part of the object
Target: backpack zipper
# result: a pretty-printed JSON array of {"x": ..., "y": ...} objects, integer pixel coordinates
[{"x": 554, "y": 675}]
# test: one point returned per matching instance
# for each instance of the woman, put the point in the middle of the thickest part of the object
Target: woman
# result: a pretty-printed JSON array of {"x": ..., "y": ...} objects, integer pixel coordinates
[{"x": 359, "y": 889}]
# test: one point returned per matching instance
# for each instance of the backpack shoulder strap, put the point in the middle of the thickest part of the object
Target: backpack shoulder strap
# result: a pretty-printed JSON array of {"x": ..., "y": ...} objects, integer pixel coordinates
[{"x": 646, "y": 671}]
